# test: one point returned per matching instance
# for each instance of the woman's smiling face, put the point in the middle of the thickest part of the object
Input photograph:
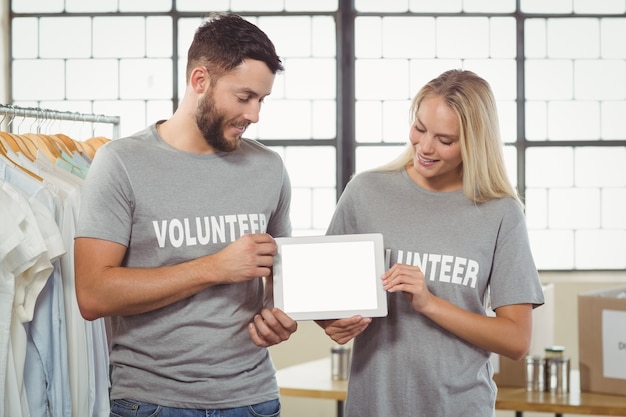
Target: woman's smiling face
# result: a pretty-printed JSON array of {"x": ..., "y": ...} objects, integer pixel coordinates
[{"x": 437, "y": 164}]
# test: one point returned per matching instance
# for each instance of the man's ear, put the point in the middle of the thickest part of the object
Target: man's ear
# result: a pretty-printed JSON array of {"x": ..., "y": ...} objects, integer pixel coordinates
[{"x": 199, "y": 79}]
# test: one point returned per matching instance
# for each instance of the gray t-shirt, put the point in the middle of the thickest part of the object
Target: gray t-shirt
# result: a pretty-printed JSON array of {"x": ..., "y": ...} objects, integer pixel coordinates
[
  {"x": 167, "y": 207},
  {"x": 404, "y": 364}
]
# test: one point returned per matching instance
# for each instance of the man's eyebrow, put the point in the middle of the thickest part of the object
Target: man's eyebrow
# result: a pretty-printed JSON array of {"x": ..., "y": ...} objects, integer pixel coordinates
[{"x": 250, "y": 92}]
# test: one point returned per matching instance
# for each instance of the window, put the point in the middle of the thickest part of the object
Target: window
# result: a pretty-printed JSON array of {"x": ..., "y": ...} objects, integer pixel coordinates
[{"x": 558, "y": 70}]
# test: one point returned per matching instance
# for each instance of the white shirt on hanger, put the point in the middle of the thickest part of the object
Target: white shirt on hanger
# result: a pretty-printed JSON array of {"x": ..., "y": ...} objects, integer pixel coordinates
[
  {"x": 11, "y": 235},
  {"x": 29, "y": 265},
  {"x": 87, "y": 346}
]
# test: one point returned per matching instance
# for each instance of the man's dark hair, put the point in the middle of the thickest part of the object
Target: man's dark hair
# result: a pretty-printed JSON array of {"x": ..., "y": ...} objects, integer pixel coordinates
[{"x": 225, "y": 40}]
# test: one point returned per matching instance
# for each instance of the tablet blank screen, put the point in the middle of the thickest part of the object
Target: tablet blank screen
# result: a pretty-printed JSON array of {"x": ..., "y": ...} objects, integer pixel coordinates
[{"x": 329, "y": 276}]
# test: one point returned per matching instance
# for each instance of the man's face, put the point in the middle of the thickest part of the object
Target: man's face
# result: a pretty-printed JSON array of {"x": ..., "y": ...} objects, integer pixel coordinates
[{"x": 231, "y": 103}]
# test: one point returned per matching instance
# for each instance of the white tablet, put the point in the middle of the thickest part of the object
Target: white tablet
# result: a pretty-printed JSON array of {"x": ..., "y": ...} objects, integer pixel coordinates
[{"x": 330, "y": 277}]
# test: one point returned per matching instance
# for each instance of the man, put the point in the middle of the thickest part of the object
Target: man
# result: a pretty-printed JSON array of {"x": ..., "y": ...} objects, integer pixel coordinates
[{"x": 176, "y": 232}]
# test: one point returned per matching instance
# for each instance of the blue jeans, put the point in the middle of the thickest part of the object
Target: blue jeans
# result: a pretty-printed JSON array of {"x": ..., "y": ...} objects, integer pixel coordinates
[{"x": 131, "y": 408}]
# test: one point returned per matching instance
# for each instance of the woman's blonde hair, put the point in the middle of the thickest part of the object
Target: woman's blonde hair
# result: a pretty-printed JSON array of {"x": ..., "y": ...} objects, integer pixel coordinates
[{"x": 470, "y": 97}]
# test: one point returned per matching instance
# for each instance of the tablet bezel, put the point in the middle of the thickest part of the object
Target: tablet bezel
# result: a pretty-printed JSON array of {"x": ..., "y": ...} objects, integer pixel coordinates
[{"x": 325, "y": 312}]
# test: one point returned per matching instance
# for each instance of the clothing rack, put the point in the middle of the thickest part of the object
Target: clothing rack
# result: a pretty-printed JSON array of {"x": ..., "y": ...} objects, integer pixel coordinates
[
  {"x": 39, "y": 113},
  {"x": 68, "y": 368}
]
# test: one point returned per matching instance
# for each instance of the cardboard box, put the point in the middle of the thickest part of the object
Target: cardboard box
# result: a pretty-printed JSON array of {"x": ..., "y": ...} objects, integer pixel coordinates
[
  {"x": 510, "y": 373},
  {"x": 602, "y": 341},
  {"x": 507, "y": 372}
]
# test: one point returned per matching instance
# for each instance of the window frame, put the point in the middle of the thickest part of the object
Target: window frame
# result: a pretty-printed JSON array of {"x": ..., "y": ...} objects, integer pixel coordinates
[{"x": 344, "y": 142}]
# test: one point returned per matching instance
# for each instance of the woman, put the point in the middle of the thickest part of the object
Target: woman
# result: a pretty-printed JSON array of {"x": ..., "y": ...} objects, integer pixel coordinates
[{"x": 456, "y": 238}]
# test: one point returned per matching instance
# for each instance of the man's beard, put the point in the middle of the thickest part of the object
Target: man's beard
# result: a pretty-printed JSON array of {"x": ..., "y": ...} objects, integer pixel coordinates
[{"x": 211, "y": 124}]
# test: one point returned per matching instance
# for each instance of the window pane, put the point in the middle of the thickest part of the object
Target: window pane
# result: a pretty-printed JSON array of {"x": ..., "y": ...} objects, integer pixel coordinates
[
  {"x": 368, "y": 115},
  {"x": 37, "y": 6},
  {"x": 186, "y": 29},
  {"x": 274, "y": 124},
  {"x": 599, "y": 6},
  {"x": 159, "y": 37},
  {"x": 82, "y": 87},
  {"x": 158, "y": 110},
  {"x": 303, "y": 160},
  {"x": 255, "y": 5},
  {"x": 324, "y": 119},
  {"x": 574, "y": 208},
  {"x": 507, "y": 116},
  {"x": 381, "y": 6},
  {"x": 471, "y": 38},
  {"x": 291, "y": 35},
  {"x": 396, "y": 121},
  {"x": 612, "y": 33},
  {"x": 24, "y": 37},
  {"x": 611, "y": 85},
  {"x": 311, "y": 210},
  {"x": 370, "y": 84},
  {"x": 578, "y": 208},
  {"x": 201, "y": 6},
  {"x": 28, "y": 84},
  {"x": 541, "y": 163},
  {"x": 573, "y": 120},
  {"x": 132, "y": 113},
  {"x": 573, "y": 38},
  {"x": 424, "y": 70},
  {"x": 481, "y": 6},
  {"x": 441, "y": 6},
  {"x": 383, "y": 121},
  {"x": 549, "y": 79},
  {"x": 65, "y": 37},
  {"x": 600, "y": 167},
  {"x": 306, "y": 120},
  {"x": 399, "y": 35},
  {"x": 310, "y": 78},
  {"x": 119, "y": 37},
  {"x": 613, "y": 208},
  {"x": 552, "y": 249},
  {"x": 312, "y": 5},
  {"x": 313, "y": 179},
  {"x": 145, "y": 5},
  {"x": 536, "y": 121},
  {"x": 499, "y": 73},
  {"x": 543, "y": 6},
  {"x": 536, "y": 205},
  {"x": 76, "y": 6},
  {"x": 503, "y": 37},
  {"x": 369, "y": 157},
  {"x": 535, "y": 38},
  {"x": 598, "y": 249},
  {"x": 369, "y": 39},
  {"x": 323, "y": 37},
  {"x": 145, "y": 78},
  {"x": 324, "y": 201},
  {"x": 612, "y": 122},
  {"x": 301, "y": 212}
]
